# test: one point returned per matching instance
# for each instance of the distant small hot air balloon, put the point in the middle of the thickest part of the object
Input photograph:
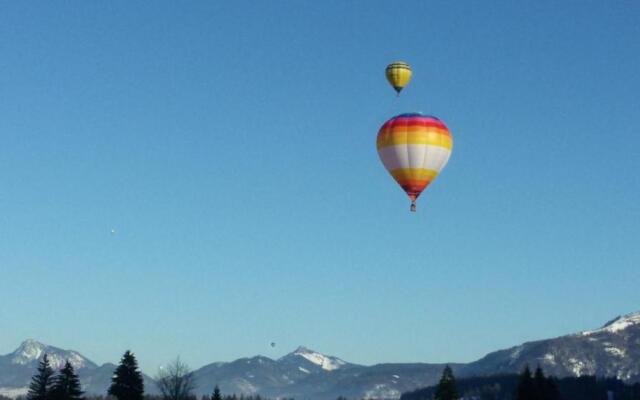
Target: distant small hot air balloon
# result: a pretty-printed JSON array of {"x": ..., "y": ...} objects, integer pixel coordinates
[
  {"x": 414, "y": 148},
  {"x": 273, "y": 344},
  {"x": 398, "y": 75}
]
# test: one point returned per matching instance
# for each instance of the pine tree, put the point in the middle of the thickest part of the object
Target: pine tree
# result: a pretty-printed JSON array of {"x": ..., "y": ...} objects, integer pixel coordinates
[
  {"x": 447, "y": 386},
  {"x": 40, "y": 387},
  {"x": 216, "y": 393},
  {"x": 540, "y": 385},
  {"x": 551, "y": 390},
  {"x": 544, "y": 388},
  {"x": 526, "y": 387},
  {"x": 66, "y": 385},
  {"x": 127, "y": 382}
]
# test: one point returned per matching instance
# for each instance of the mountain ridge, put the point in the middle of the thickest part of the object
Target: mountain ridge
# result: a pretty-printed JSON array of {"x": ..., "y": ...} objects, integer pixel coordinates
[{"x": 611, "y": 350}]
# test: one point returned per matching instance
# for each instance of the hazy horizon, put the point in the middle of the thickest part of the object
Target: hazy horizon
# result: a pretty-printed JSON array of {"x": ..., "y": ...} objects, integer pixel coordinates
[{"x": 281, "y": 353}]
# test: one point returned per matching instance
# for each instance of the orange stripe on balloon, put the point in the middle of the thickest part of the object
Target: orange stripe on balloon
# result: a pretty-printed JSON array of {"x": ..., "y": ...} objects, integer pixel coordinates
[
  {"x": 401, "y": 130},
  {"x": 416, "y": 185},
  {"x": 414, "y": 189}
]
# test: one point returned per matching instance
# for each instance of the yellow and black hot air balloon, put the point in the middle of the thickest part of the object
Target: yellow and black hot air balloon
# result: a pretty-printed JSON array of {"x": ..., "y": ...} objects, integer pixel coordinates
[{"x": 398, "y": 75}]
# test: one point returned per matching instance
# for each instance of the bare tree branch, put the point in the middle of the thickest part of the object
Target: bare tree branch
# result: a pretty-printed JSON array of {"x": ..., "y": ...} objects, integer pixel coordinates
[{"x": 176, "y": 381}]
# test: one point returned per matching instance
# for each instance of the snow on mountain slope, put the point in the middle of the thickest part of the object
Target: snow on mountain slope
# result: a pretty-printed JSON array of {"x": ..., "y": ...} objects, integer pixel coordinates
[
  {"x": 612, "y": 350},
  {"x": 327, "y": 363},
  {"x": 17, "y": 368},
  {"x": 13, "y": 392},
  {"x": 617, "y": 324},
  {"x": 30, "y": 352}
]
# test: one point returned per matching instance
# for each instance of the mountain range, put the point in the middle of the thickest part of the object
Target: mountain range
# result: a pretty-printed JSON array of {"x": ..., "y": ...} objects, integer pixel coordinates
[
  {"x": 17, "y": 368},
  {"x": 612, "y": 350}
]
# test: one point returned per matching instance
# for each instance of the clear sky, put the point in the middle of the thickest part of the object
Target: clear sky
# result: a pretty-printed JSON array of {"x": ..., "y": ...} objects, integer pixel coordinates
[{"x": 231, "y": 145}]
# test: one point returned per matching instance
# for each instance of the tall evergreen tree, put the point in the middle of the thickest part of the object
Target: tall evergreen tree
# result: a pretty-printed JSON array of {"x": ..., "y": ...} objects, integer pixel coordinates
[
  {"x": 216, "y": 393},
  {"x": 447, "y": 386},
  {"x": 544, "y": 388},
  {"x": 551, "y": 390},
  {"x": 526, "y": 387},
  {"x": 539, "y": 385},
  {"x": 66, "y": 385},
  {"x": 127, "y": 382},
  {"x": 42, "y": 381}
]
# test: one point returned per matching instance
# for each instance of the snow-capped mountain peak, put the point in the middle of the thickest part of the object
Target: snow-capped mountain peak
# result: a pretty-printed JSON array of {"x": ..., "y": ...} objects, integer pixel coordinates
[
  {"x": 327, "y": 363},
  {"x": 28, "y": 351},
  {"x": 618, "y": 324},
  {"x": 611, "y": 350},
  {"x": 31, "y": 351}
]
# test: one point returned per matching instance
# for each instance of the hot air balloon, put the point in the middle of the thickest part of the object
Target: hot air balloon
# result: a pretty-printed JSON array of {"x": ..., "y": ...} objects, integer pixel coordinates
[
  {"x": 398, "y": 75},
  {"x": 414, "y": 148}
]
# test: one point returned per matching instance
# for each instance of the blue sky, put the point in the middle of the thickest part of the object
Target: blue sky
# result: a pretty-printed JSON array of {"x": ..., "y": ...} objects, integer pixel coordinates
[{"x": 232, "y": 147}]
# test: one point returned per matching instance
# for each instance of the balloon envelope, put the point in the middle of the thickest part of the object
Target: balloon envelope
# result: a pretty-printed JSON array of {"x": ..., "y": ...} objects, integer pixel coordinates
[
  {"x": 398, "y": 74},
  {"x": 414, "y": 148}
]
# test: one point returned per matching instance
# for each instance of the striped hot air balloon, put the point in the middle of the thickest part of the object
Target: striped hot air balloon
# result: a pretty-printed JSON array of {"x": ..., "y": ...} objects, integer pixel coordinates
[
  {"x": 398, "y": 74},
  {"x": 414, "y": 148}
]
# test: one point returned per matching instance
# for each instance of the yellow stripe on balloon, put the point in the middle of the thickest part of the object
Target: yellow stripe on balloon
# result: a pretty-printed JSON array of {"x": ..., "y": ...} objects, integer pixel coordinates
[
  {"x": 421, "y": 137},
  {"x": 400, "y": 76},
  {"x": 418, "y": 174}
]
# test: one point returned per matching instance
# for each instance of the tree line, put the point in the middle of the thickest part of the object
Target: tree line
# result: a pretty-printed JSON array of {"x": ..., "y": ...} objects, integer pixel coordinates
[
  {"x": 174, "y": 381},
  {"x": 526, "y": 386}
]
